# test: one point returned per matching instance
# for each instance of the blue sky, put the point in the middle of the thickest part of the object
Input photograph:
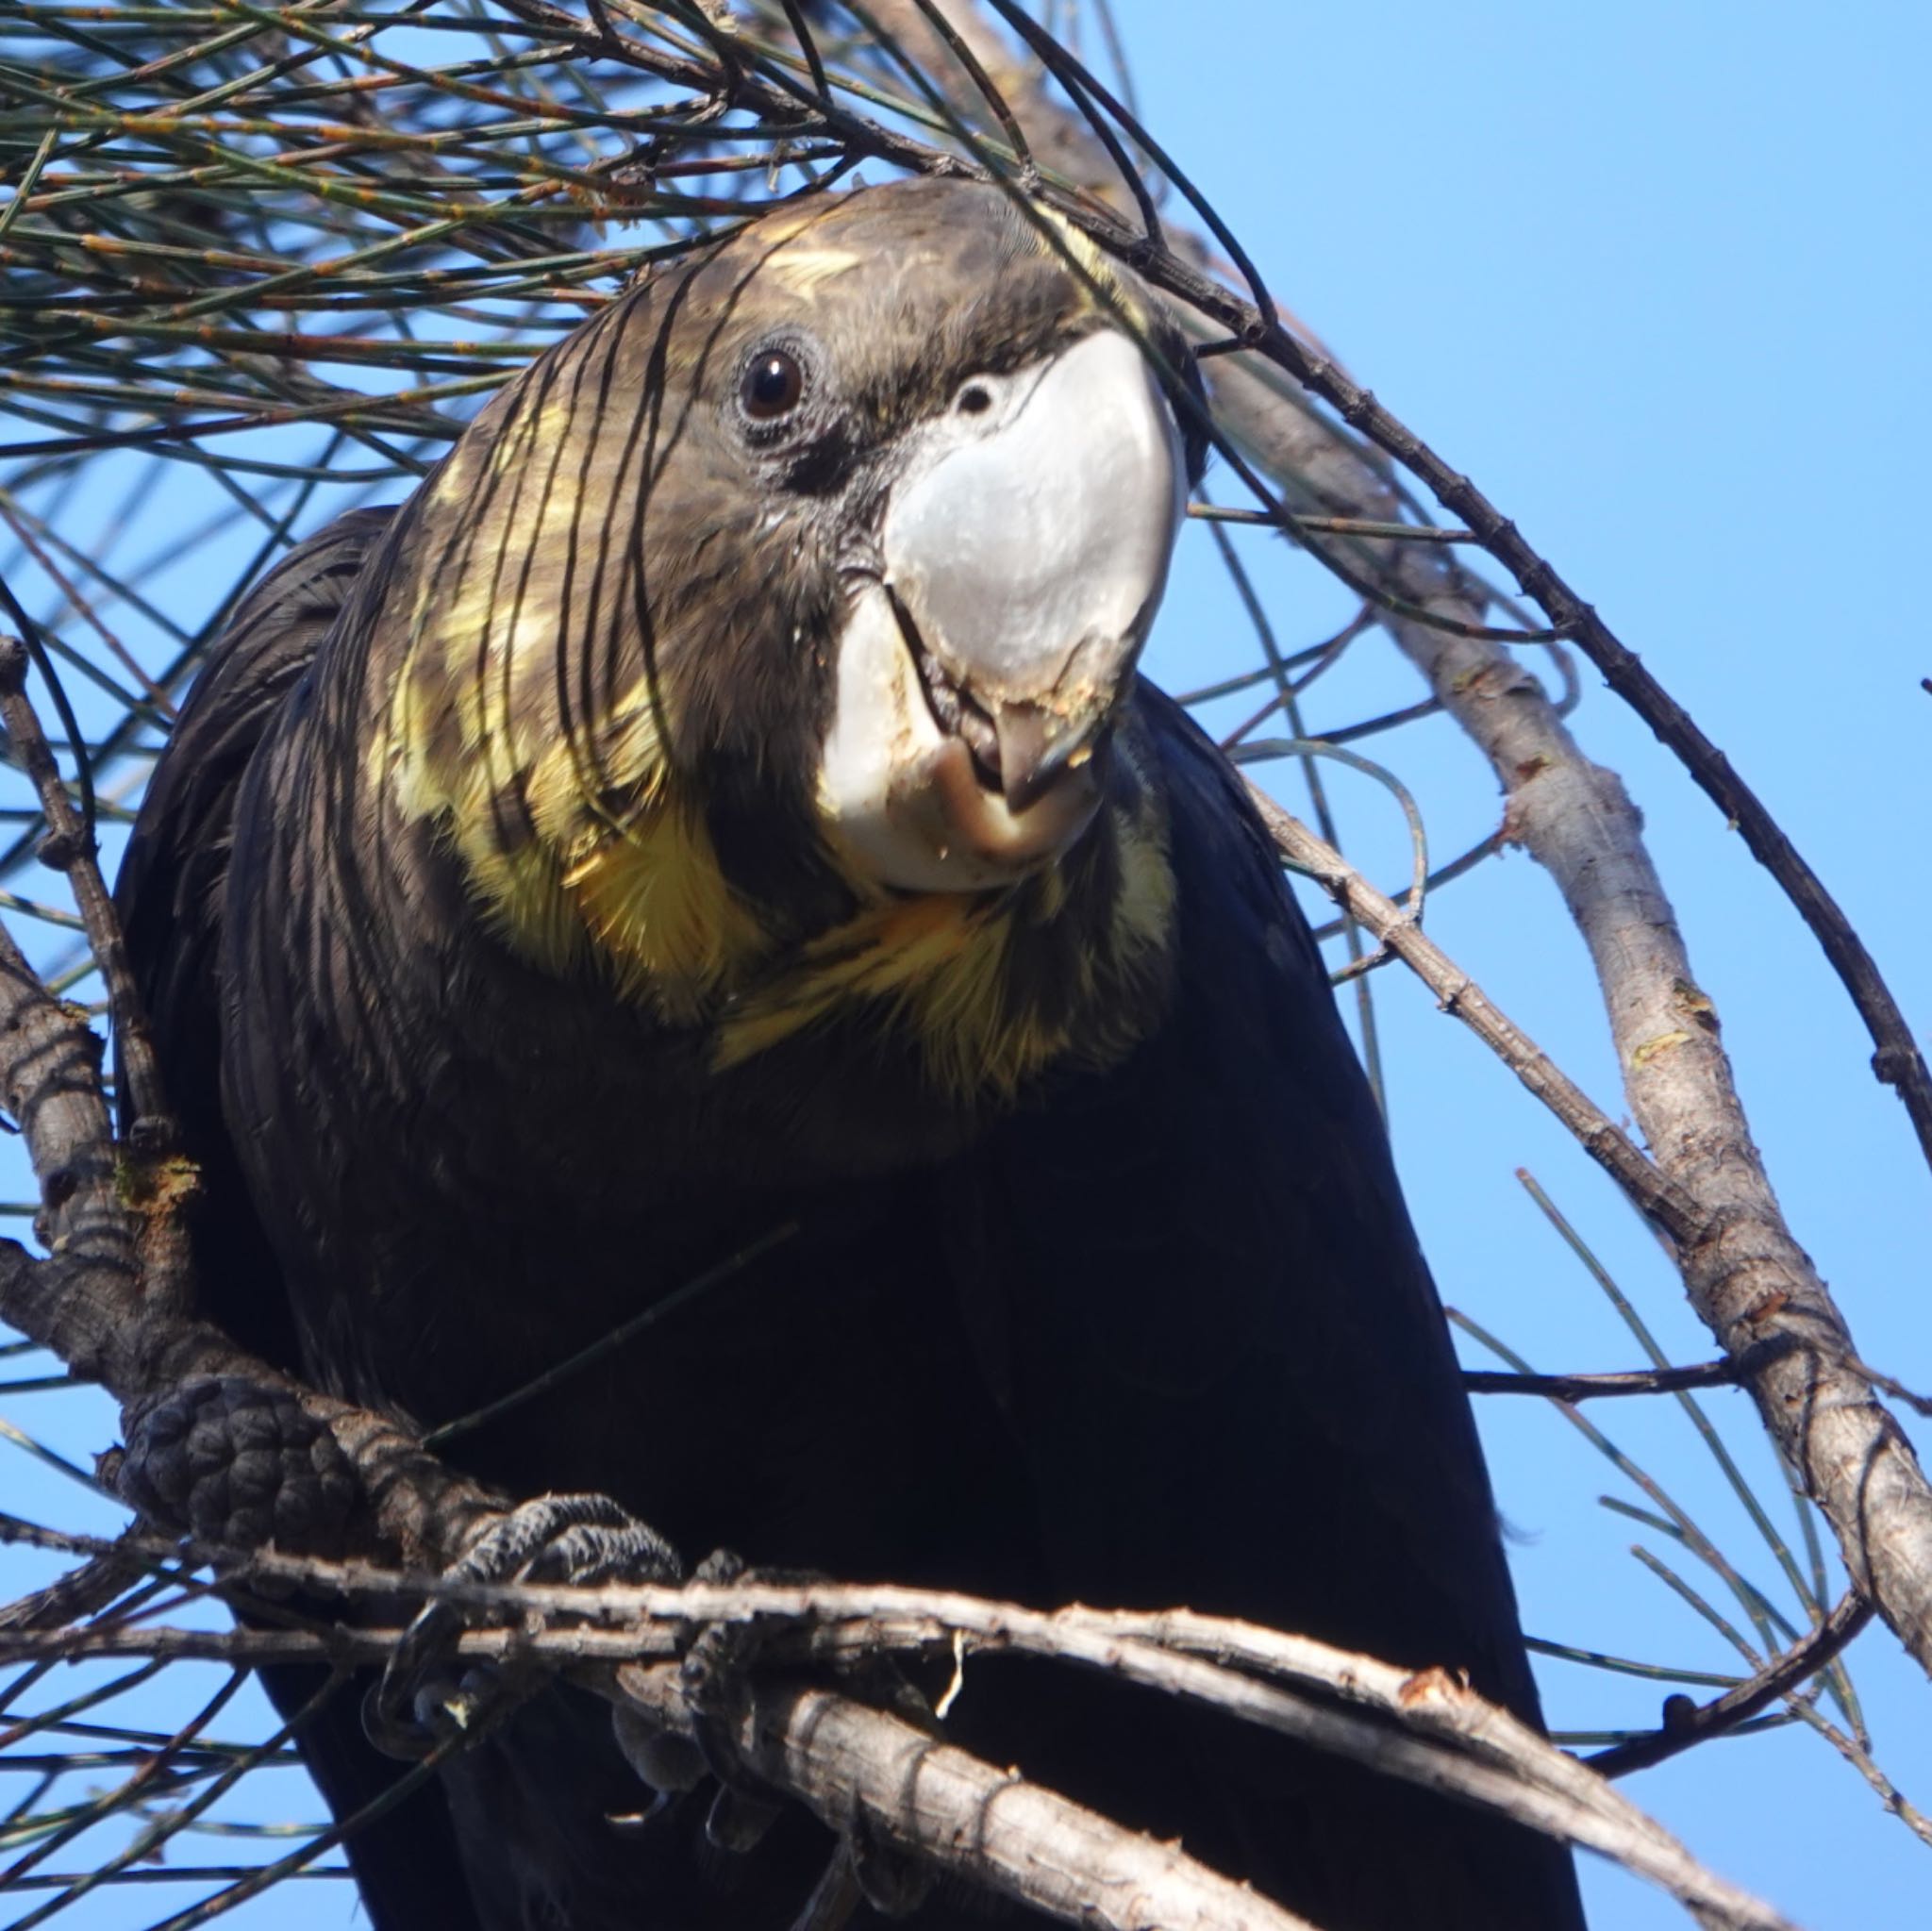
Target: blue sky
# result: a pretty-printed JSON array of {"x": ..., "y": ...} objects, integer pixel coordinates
[{"x": 1657, "y": 277}]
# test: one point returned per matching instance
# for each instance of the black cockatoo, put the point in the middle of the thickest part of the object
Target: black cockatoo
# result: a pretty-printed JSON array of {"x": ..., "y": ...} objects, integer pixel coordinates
[{"x": 722, "y": 797}]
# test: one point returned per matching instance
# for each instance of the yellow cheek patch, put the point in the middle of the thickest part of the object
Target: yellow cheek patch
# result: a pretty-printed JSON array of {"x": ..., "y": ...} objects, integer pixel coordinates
[
  {"x": 660, "y": 912},
  {"x": 524, "y": 896},
  {"x": 935, "y": 973},
  {"x": 600, "y": 862},
  {"x": 585, "y": 854},
  {"x": 934, "y": 969},
  {"x": 570, "y": 787}
]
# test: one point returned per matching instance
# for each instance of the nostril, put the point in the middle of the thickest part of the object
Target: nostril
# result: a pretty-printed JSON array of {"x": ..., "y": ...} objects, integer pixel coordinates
[{"x": 975, "y": 399}]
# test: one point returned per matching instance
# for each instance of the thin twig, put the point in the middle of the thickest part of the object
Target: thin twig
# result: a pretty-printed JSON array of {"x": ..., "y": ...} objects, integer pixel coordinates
[
  {"x": 1687, "y": 1723},
  {"x": 1573, "y": 1387},
  {"x": 1658, "y": 1198},
  {"x": 1446, "y": 1737},
  {"x": 70, "y": 847}
]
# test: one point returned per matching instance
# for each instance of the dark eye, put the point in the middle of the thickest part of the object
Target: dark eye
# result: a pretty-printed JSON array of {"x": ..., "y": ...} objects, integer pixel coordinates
[{"x": 772, "y": 385}]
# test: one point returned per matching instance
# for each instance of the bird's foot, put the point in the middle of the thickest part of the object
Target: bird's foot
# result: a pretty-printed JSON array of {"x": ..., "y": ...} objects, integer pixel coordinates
[
  {"x": 712, "y": 1675},
  {"x": 584, "y": 1540},
  {"x": 713, "y": 1681}
]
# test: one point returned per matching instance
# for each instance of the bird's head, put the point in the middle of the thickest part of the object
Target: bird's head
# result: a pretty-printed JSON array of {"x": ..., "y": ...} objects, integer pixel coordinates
[
  {"x": 946, "y": 408},
  {"x": 808, "y": 578}
]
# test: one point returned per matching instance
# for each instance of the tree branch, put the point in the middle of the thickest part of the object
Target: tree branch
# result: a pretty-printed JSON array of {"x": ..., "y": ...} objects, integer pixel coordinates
[
  {"x": 112, "y": 1299},
  {"x": 858, "y": 1767},
  {"x": 69, "y": 846},
  {"x": 1667, "y": 1206},
  {"x": 850, "y": 1762},
  {"x": 1748, "y": 1278},
  {"x": 1755, "y": 1288},
  {"x": 1687, "y": 1723},
  {"x": 1575, "y": 1387}
]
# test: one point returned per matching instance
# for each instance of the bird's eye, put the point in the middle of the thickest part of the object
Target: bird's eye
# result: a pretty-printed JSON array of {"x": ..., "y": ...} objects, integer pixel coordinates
[
  {"x": 975, "y": 399},
  {"x": 772, "y": 385}
]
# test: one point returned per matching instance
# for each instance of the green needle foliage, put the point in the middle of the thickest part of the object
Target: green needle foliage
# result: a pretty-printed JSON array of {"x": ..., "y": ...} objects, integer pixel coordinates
[{"x": 259, "y": 265}]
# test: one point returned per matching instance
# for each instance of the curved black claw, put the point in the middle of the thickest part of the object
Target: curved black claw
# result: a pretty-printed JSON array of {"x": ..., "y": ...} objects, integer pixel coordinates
[
  {"x": 713, "y": 1675},
  {"x": 581, "y": 1540},
  {"x": 893, "y": 1884}
]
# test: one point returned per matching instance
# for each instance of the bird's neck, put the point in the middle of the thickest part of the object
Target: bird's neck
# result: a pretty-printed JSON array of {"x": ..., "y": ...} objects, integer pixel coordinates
[
  {"x": 986, "y": 991},
  {"x": 990, "y": 990},
  {"x": 622, "y": 881}
]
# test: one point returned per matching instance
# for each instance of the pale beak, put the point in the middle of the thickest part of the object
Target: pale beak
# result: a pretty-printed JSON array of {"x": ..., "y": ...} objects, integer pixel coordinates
[{"x": 1025, "y": 546}]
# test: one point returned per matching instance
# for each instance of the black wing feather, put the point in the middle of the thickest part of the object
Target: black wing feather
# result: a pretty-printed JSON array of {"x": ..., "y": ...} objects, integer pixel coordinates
[
  {"x": 1234, "y": 1384},
  {"x": 1191, "y": 1354},
  {"x": 170, "y": 896}
]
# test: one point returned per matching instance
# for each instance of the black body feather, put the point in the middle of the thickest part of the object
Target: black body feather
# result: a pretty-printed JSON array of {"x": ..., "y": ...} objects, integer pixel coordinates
[{"x": 1152, "y": 1335}]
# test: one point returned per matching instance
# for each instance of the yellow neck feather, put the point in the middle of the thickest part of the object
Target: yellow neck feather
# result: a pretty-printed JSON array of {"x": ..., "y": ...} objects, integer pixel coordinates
[
  {"x": 938, "y": 969},
  {"x": 639, "y": 894}
]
